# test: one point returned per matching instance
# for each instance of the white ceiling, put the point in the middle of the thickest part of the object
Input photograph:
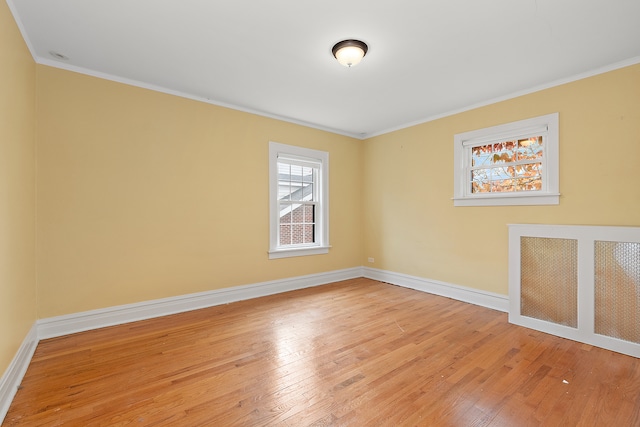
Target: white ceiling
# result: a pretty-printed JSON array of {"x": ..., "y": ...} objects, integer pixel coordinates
[{"x": 427, "y": 58}]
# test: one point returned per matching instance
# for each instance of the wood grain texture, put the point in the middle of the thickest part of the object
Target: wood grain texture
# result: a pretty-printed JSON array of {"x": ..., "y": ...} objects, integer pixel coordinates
[{"x": 353, "y": 353}]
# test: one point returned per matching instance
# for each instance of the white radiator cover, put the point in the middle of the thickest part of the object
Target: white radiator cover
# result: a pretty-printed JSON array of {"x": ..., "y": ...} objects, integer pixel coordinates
[{"x": 577, "y": 282}]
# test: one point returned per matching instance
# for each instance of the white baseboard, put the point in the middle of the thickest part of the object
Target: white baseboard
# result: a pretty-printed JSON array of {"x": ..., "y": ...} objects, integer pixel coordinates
[
  {"x": 461, "y": 293},
  {"x": 10, "y": 381},
  {"x": 94, "y": 319}
]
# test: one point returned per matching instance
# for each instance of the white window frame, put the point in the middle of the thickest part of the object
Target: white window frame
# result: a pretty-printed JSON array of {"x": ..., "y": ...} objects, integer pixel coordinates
[
  {"x": 321, "y": 245},
  {"x": 546, "y": 126}
]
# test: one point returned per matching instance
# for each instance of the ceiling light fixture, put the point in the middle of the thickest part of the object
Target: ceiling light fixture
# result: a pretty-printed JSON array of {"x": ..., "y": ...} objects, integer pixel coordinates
[
  {"x": 350, "y": 52},
  {"x": 58, "y": 55}
]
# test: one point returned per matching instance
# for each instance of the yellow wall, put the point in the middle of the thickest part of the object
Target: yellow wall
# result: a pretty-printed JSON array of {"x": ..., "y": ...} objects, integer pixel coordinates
[
  {"x": 411, "y": 225},
  {"x": 17, "y": 189},
  {"x": 143, "y": 195}
]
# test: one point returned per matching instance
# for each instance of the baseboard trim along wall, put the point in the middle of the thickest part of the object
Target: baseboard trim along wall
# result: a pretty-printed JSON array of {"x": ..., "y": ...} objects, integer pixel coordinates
[
  {"x": 78, "y": 322},
  {"x": 94, "y": 319},
  {"x": 12, "y": 377},
  {"x": 461, "y": 293}
]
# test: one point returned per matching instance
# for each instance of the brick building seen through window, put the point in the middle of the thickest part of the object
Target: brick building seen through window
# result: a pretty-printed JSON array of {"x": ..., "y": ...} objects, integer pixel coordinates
[{"x": 298, "y": 227}]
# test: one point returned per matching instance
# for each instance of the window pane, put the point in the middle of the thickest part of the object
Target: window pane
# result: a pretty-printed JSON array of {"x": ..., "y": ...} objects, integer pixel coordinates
[
  {"x": 285, "y": 234},
  {"x": 504, "y": 172},
  {"x": 481, "y": 174},
  {"x": 481, "y": 155},
  {"x": 285, "y": 215},
  {"x": 303, "y": 191},
  {"x": 309, "y": 233},
  {"x": 530, "y": 169},
  {"x": 480, "y": 187},
  {"x": 504, "y": 152},
  {"x": 529, "y": 184},
  {"x": 284, "y": 181},
  {"x": 502, "y": 185},
  {"x": 284, "y": 169},
  {"x": 530, "y": 148},
  {"x": 297, "y": 215},
  {"x": 296, "y": 173},
  {"x": 297, "y": 234},
  {"x": 284, "y": 191},
  {"x": 307, "y": 174},
  {"x": 529, "y": 177},
  {"x": 480, "y": 180},
  {"x": 309, "y": 214}
]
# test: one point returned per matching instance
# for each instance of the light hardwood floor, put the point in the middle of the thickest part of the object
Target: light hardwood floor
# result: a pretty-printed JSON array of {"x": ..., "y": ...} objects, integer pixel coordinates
[{"x": 353, "y": 353}]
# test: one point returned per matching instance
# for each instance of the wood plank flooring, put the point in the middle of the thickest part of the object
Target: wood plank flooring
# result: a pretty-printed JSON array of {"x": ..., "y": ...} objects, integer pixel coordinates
[{"x": 353, "y": 353}]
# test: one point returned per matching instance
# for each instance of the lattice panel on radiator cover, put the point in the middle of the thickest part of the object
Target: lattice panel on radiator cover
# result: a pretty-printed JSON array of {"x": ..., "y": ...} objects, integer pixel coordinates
[
  {"x": 617, "y": 290},
  {"x": 549, "y": 279},
  {"x": 560, "y": 275}
]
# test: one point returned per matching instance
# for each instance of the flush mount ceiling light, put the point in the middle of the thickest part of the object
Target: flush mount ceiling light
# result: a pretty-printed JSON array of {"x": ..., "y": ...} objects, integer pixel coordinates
[
  {"x": 58, "y": 55},
  {"x": 349, "y": 52}
]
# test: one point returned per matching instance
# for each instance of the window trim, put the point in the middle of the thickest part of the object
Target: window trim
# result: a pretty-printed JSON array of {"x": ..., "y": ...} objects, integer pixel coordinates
[
  {"x": 546, "y": 125},
  {"x": 321, "y": 246}
]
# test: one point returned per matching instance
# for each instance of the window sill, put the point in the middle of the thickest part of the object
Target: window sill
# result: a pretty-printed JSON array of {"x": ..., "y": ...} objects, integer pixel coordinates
[
  {"x": 293, "y": 252},
  {"x": 509, "y": 200}
]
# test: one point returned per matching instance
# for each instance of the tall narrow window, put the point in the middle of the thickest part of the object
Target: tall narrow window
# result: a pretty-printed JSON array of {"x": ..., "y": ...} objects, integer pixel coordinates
[{"x": 298, "y": 201}]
